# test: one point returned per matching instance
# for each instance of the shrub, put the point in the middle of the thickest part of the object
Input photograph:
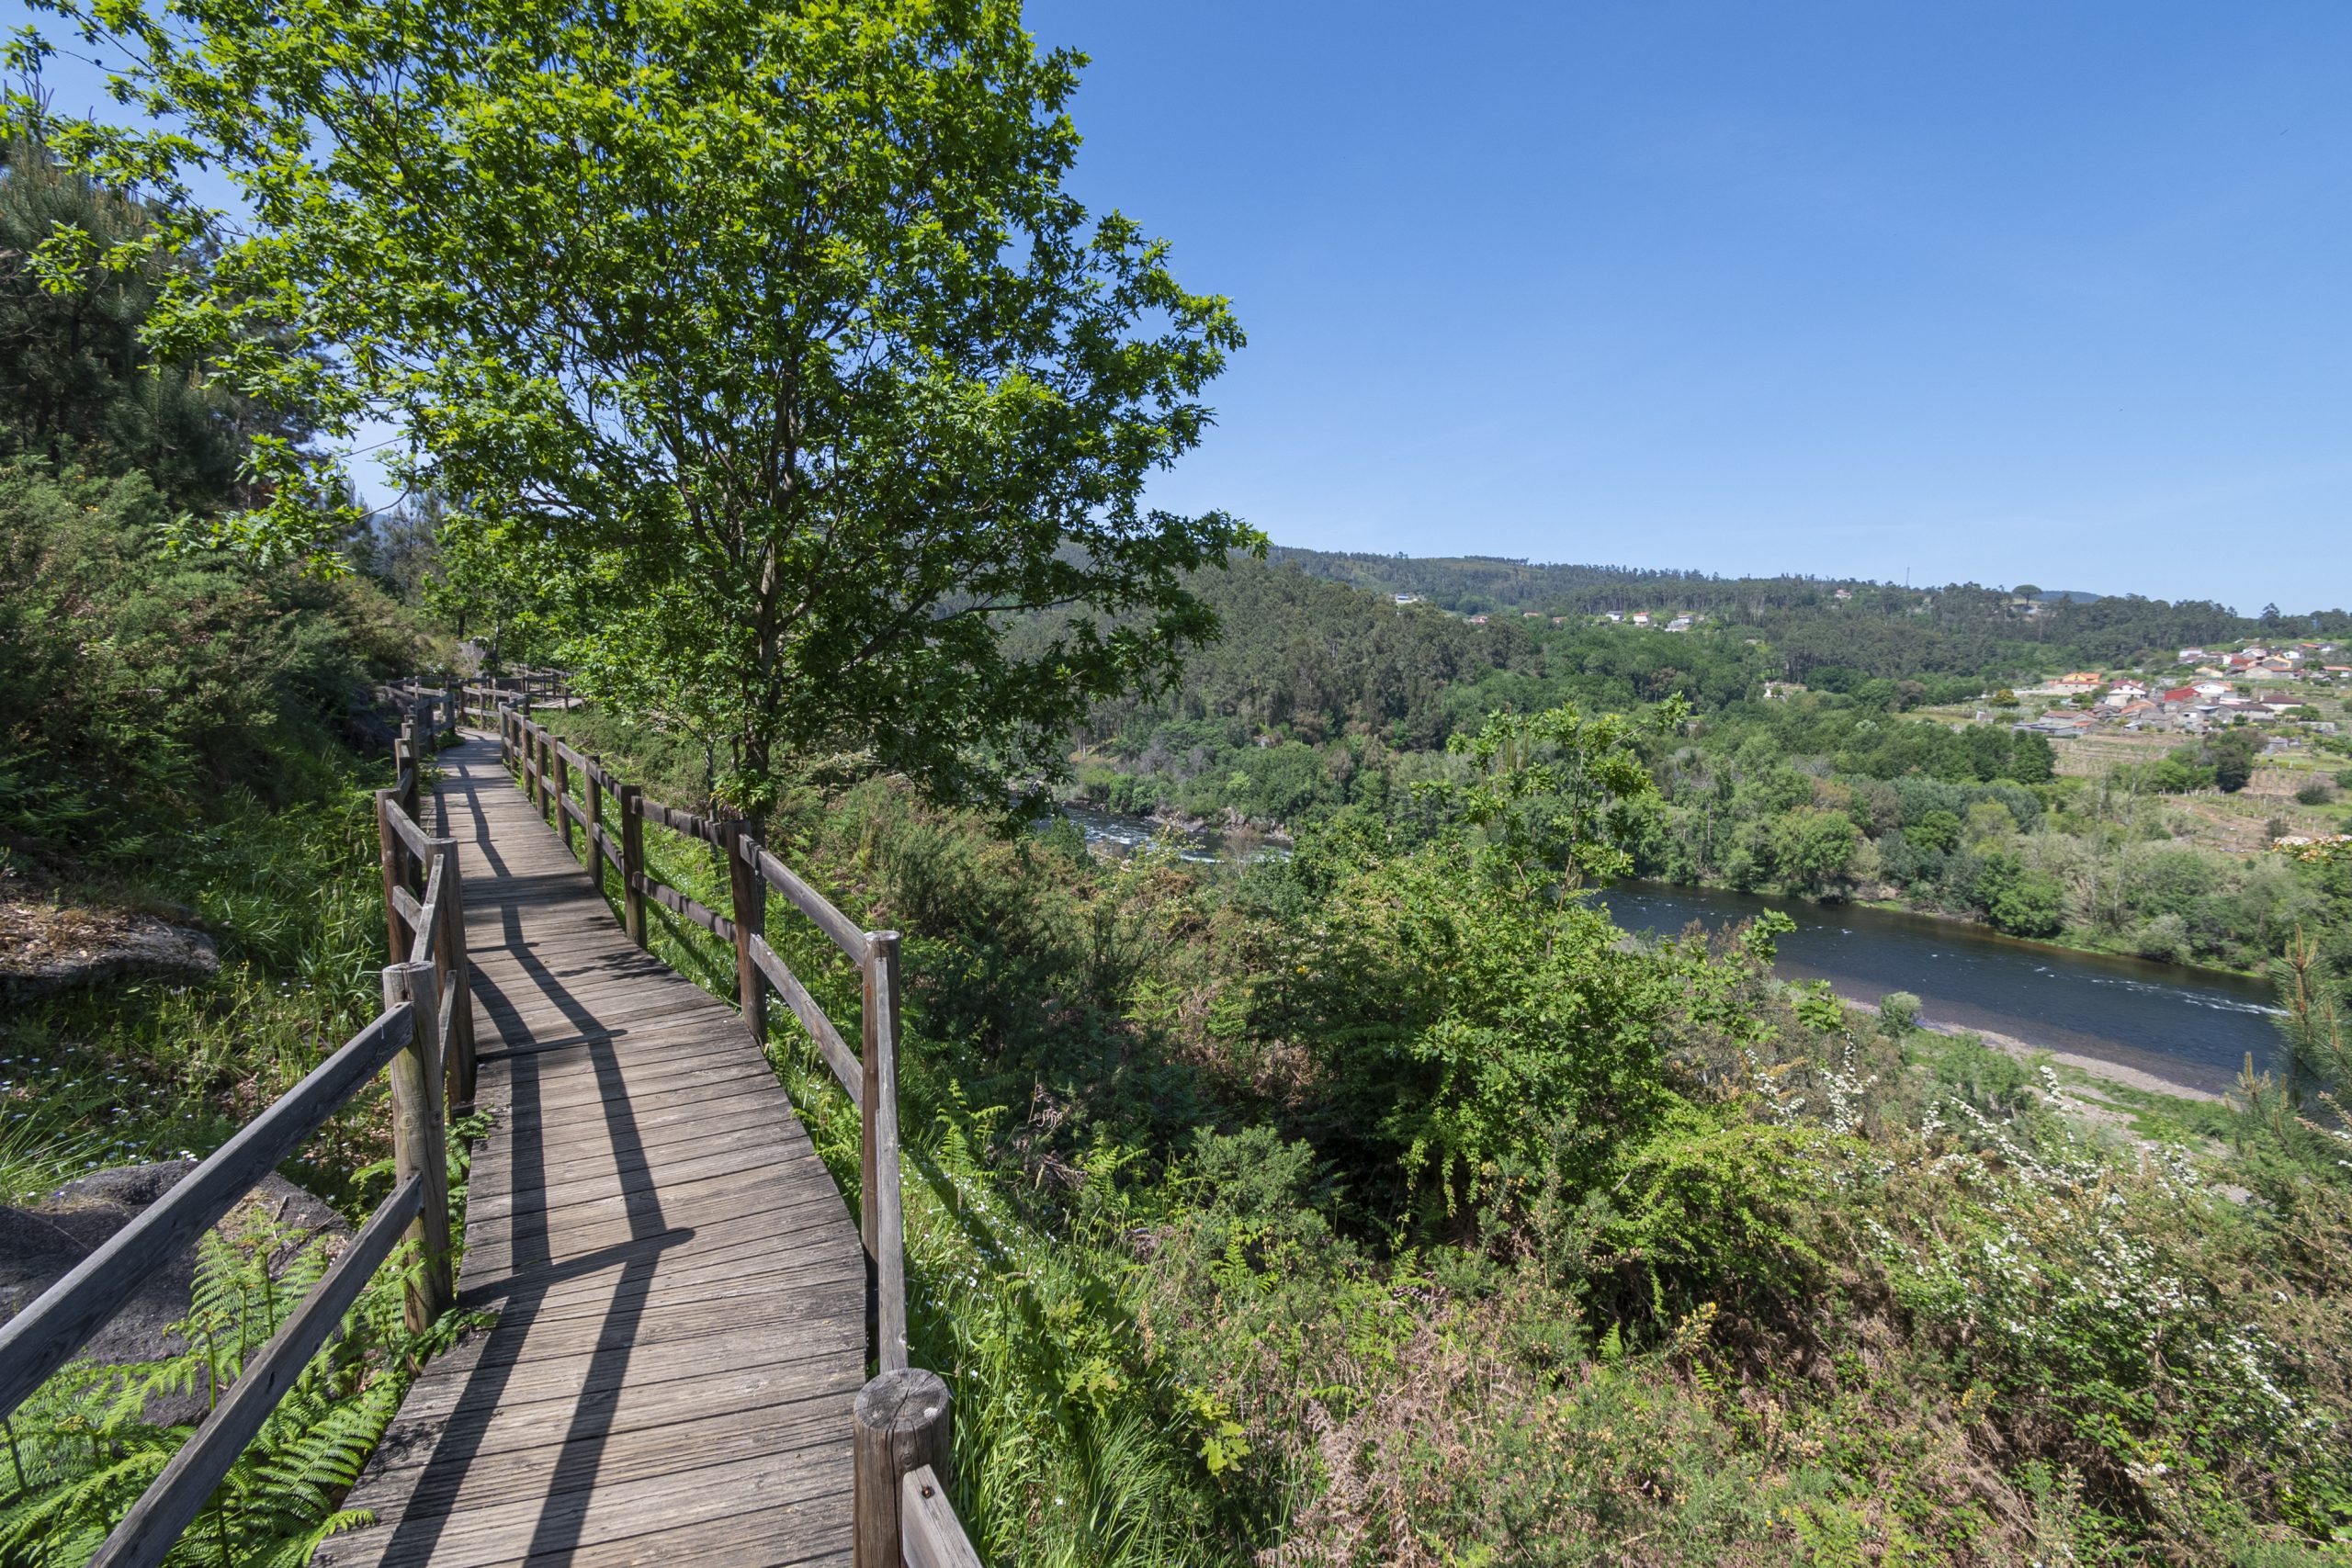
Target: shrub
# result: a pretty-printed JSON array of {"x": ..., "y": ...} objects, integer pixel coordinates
[
  {"x": 2319, "y": 792},
  {"x": 1898, "y": 1013},
  {"x": 1937, "y": 831},
  {"x": 153, "y": 676},
  {"x": 2164, "y": 939}
]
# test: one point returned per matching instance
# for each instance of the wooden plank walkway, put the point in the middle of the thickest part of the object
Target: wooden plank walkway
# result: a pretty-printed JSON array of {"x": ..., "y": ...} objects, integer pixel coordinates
[{"x": 680, "y": 1290}]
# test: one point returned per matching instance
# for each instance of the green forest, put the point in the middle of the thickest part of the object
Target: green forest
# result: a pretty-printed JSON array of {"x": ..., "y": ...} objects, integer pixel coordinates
[
  {"x": 1320, "y": 699},
  {"x": 1381, "y": 1202}
]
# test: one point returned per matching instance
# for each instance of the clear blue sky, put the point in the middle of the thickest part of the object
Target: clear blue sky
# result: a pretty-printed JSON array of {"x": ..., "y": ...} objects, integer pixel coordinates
[
  {"x": 2009, "y": 292},
  {"x": 2057, "y": 293}
]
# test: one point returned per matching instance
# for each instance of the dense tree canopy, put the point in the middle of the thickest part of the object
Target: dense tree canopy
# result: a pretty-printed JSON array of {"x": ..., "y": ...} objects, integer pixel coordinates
[
  {"x": 771, "y": 330},
  {"x": 79, "y": 384}
]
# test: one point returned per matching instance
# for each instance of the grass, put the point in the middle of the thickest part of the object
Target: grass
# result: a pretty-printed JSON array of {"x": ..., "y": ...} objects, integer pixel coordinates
[{"x": 150, "y": 1070}]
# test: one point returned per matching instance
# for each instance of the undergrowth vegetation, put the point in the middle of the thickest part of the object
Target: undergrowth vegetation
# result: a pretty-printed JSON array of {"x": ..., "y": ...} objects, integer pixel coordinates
[
  {"x": 80, "y": 1452},
  {"x": 1384, "y": 1204},
  {"x": 185, "y": 735}
]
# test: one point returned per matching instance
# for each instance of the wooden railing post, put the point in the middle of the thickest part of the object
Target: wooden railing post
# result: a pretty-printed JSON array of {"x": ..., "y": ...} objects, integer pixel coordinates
[
  {"x": 632, "y": 800},
  {"x": 453, "y": 973},
  {"x": 595, "y": 789},
  {"x": 750, "y": 895},
  {"x": 420, "y": 1143},
  {"x": 408, "y": 756},
  {"x": 902, "y": 1424},
  {"x": 562, "y": 793},
  {"x": 881, "y": 1219},
  {"x": 397, "y": 934},
  {"x": 457, "y": 694}
]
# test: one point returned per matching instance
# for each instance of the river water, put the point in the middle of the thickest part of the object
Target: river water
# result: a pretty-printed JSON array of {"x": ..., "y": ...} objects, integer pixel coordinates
[{"x": 2188, "y": 1026}]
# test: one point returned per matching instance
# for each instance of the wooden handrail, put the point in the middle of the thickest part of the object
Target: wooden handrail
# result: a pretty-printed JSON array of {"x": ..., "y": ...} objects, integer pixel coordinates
[
  {"x": 829, "y": 1044},
  {"x": 174, "y": 1499},
  {"x": 930, "y": 1535},
  {"x": 869, "y": 1076},
  {"x": 423, "y": 1036},
  {"x": 40, "y": 1340},
  {"x": 844, "y": 932},
  {"x": 415, "y": 839},
  {"x": 427, "y": 920}
]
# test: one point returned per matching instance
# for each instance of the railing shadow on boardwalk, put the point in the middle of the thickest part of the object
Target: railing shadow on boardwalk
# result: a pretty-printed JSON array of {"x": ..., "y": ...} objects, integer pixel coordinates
[{"x": 677, "y": 1335}]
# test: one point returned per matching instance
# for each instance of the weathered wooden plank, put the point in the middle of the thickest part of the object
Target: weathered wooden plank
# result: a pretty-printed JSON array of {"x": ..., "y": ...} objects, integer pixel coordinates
[
  {"x": 586, "y": 1234},
  {"x": 752, "y": 1114},
  {"x": 514, "y": 1449},
  {"x": 751, "y": 1269},
  {"x": 544, "y": 1123},
  {"x": 930, "y": 1535},
  {"x": 689, "y": 1079},
  {"x": 680, "y": 1293},
  {"x": 676, "y": 1178},
  {"x": 725, "y": 1521}
]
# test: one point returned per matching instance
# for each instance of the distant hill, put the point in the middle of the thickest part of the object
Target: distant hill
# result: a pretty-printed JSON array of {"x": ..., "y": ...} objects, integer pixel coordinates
[
  {"x": 1888, "y": 628},
  {"x": 1478, "y": 584}
]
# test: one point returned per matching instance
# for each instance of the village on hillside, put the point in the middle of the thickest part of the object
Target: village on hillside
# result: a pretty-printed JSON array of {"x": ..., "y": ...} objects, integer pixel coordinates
[{"x": 2206, "y": 689}]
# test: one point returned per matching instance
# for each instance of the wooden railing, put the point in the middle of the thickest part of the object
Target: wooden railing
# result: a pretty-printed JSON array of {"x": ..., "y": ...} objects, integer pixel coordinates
[
  {"x": 478, "y": 698},
  {"x": 427, "y": 1020},
  {"x": 902, "y": 1417}
]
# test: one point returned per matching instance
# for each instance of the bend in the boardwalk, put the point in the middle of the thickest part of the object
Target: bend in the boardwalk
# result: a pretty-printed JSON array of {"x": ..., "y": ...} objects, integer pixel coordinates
[{"x": 678, "y": 1284}]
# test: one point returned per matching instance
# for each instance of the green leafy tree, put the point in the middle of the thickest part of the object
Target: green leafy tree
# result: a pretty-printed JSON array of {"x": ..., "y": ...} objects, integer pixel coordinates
[
  {"x": 1939, "y": 830},
  {"x": 2232, "y": 756},
  {"x": 774, "y": 330},
  {"x": 1558, "y": 795},
  {"x": 2019, "y": 899},
  {"x": 79, "y": 384},
  {"x": 1814, "y": 850}
]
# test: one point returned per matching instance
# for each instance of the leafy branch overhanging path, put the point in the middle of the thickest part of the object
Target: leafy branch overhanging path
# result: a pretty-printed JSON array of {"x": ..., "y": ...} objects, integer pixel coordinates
[{"x": 680, "y": 1290}]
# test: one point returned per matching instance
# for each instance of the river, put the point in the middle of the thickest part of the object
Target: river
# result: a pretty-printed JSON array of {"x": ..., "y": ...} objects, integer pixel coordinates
[
  {"x": 2194, "y": 1027},
  {"x": 2187, "y": 1026}
]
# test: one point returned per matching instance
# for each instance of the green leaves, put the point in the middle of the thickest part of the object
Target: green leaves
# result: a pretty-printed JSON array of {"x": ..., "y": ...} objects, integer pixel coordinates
[
  {"x": 768, "y": 337},
  {"x": 1557, "y": 793}
]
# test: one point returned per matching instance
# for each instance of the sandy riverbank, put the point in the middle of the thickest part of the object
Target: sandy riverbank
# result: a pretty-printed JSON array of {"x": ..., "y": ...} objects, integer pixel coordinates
[{"x": 2092, "y": 1067}]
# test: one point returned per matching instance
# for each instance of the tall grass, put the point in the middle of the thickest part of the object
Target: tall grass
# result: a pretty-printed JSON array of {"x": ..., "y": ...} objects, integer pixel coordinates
[{"x": 149, "y": 1070}]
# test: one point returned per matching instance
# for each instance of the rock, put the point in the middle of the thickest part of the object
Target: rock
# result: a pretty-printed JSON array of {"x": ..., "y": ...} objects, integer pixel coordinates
[
  {"x": 38, "y": 1246},
  {"x": 46, "y": 948}
]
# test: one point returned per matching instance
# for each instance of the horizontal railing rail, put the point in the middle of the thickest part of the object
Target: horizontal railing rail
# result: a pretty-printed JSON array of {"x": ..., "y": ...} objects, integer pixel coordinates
[
  {"x": 902, "y": 1422},
  {"x": 424, "y": 1030}
]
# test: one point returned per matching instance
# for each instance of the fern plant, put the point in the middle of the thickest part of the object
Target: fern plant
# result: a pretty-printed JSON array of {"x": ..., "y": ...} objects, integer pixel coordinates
[{"x": 77, "y": 1454}]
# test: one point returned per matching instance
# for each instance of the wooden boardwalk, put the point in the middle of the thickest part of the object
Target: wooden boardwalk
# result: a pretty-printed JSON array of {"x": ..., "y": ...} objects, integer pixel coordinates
[{"x": 680, "y": 1290}]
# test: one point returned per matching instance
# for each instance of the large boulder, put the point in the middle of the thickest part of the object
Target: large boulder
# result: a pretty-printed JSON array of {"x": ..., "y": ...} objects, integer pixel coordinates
[
  {"x": 39, "y": 1244},
  {"x": 47, "y": 947}
]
